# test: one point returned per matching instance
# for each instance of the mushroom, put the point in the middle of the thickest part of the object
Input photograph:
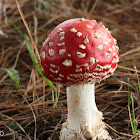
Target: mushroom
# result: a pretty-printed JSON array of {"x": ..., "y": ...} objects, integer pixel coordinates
[{"x": 79, "y": 57}]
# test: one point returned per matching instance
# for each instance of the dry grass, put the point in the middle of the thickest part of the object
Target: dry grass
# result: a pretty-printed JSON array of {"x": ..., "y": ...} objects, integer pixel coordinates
[{"x": 29, "y": 111}]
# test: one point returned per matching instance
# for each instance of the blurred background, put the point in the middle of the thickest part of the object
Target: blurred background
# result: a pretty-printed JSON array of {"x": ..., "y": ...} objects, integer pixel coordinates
[{"x": 27, "y": 101}]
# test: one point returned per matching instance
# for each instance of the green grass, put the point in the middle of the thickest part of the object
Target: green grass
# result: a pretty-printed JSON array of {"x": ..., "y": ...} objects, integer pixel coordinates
[
  {"x": 13, "y": 75},
  {"x": 132, "y": 114},
  {"x": 45, "y": 5},
  {"x": 35, "y": 5},
  {"x": 35, "y": 61},
  {"x": 9, "y": 123},
  {"x": 43, "y": 2}
]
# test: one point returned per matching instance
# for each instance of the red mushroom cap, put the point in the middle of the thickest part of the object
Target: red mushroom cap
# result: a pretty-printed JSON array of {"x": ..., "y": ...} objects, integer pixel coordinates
[{"x": 79, "y": 51}]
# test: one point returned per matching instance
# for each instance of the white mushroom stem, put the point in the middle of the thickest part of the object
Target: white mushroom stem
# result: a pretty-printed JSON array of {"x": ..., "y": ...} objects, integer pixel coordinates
[{"x": 84, "y": 120}]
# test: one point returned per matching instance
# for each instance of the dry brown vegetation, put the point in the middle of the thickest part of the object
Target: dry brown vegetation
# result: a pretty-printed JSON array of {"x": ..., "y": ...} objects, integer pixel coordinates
[{"x": 29, "y": 112}]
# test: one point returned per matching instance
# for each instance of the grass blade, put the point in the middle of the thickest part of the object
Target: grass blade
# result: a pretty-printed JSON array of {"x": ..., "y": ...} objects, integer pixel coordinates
[
  {"x": 132, "y": 121},
  {"x": 134, "y": 118},
  {"x": 44, "y": 4},
  {"x": 10, "y": 123},
  {"x": 19, "y": 31},
  {"x": 13, "y": 75},
  {"x": 37, "y": 65}
]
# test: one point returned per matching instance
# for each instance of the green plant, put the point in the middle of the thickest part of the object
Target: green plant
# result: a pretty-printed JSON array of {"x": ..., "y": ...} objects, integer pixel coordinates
[
  {"x": 9, "y": 123},
  {"x": 13, "y": 75},
  {"x": 44, "y": 4},
  {"x": 35, "y": 61},
  {"x": 132, "y": 114}
]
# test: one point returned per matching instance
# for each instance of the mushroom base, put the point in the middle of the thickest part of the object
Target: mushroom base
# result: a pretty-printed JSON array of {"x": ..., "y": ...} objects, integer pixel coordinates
[
  {"x": 84, "y": 120},
  {"x": 100, "y": 133}
]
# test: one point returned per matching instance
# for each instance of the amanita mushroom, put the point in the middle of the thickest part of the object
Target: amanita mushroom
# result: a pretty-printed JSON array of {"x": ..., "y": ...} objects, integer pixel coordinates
[{"x": 79, "y": 53}]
